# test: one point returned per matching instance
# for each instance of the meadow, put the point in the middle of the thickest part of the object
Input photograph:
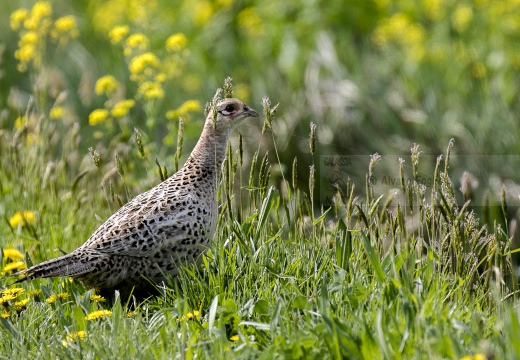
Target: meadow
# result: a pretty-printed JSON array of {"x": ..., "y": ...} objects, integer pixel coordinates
[{"x": 371, "y": 213}]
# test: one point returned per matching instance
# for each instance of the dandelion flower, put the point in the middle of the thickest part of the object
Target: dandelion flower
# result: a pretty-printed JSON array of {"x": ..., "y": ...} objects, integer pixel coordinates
[
  {"x": 14, "y": 292},
  {"x": 176, "y": 42},
  {"x": 51, "y": 299},
  {"x": 56, "y": 112},
  {"x": 22, "y": 218},
  {"x": 17, "y": 265},
  {"x": 118, "y": 33},
  {"x": 97, "y": 116},
  {"x": 187, "y": 106},
  {"x": 106, "y": 85},
  {"x": 73, "y": 337},
  {"x": 12, "y": 254},
  {"x": 122, "y": 108},
  {"x": 97, "y": 298},
  {"x": 6, "y": 297},
  {"x": 63, "y": 296},
  {"x": 234, "y": 338},
  {"x": 20, "y": 305},
  {"x": 5, "y": 314},
  {"x": 139, "y": 63},
  {"x": 65, "y": 27},
  {"x": 98, "y": 314}
]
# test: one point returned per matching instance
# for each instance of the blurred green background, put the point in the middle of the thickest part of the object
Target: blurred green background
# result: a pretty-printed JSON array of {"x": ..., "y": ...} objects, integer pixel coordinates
[{"x": 374, "y": 76}]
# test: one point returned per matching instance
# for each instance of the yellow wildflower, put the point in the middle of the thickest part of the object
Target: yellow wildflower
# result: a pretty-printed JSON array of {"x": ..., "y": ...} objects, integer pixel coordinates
[
  {"x": 97, "y": 116},
  {"x": 73, "y": 337},
  {"x": 139, "y": 41},
  {"x": 187, "y": 106},
  {"x": 39, "y": 18},
  {"x": 462, "y": 17},
  {"x": 106, "y": 85},
  {"x": 139, "y": 63},
  {"x": 35, "y": 293},
  {"x": 51, "y": 299},
  {"x": 20, "y": 305},
  {"x": 25, "y": 54},
  {"x": 98, "y": 314},
  {"x": 161, "y": 77},
  {"x": 151, "y": 90},
  {"x": 63, "y": 296},
  {"x": 6, "y": 297},
  {"x": 203, "y": 12},
  {"x": 56, "y": 112},
  {"x": 18, "y": 123},
  {"x": 17, "y": 18},
  {"x": 97, "y": 298},
  {"x": 12, "y": 254},
  {"x": 118, "y": 33},
  {"x": 14, "y": 292},
  {"x": 65, "y": 28},
  {"x": 21, "y": 218},
  {"x": 18, "y": 265},
  {"x": 29, "y": 38},
  {"x": 191, "y": 315},
  {"x": 474, "y": 357},
  {"x": 249, "y": 20},
  {"x": 122, "y": 108},
  {"x": 234, "y": 338},
  {"x": 5, "y": 314},
  {"x": 176, "y": 42}
]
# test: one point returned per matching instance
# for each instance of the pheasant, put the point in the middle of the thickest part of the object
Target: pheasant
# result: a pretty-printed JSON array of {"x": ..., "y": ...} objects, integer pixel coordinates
[{"x": 158, "y": 231}]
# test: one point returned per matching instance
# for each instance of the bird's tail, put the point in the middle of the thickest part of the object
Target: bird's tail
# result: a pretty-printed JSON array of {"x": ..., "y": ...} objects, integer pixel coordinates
[{"x": 66, "y": 265}]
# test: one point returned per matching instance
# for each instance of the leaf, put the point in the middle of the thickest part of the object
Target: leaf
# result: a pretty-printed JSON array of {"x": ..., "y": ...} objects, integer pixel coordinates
[{"x": 372, "y": 257}]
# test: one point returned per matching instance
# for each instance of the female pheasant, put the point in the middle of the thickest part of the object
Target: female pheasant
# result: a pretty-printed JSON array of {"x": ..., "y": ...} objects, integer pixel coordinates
[{"x": 159, "y": 230}]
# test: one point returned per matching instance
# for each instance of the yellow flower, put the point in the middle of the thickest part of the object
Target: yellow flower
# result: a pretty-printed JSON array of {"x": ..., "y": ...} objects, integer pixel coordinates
[
  {"x": 12, "y": 292},
  {"x": 20, "y": 305},
  {"x": 97, "y": 298},
  {"x": 249, "y": 20},
  {"x": 474, "y": 357},
  {"x": 29, "y": 38},
  {"x": 18, "y": 265},
  {"x": 462, "y": 17},
  {"x": 176, "y": 42},
  {"x": 63, "y": 296},
  {"x": 56, "y": 112},
  {"x": 190, "y": 105},
  {"x": 34, "y": 293},
  {"x": 21, "y": 218},
  {"x": 73, "y": 337},
  {"x": 18, "y": 123},
  {"x": 151, "y": 90},
  {"x": 17, "y": 18},
  {"x": 41, "y": 9},
  {"x": 6, "y": 297},
  {"x": 191, "y": 315},
  {"x": 97, "y": 116},
  {"x": 51, "y": 299},
  {"x": 161, "y": 77},
  {"x": 139, "y": 63},
  {"x": 234, "y": 338},
  {"x": 203, "y": 12},
  {"x": 64, "y": 28},
  {"x": 98, "y": 314},
  {"x": 122, "y": 108},
  {"x": 118, "y": 33},
  {"x": 138, "y": 40},
  {"x": 12, "y": 254},
  {"x": 38, "y": 19},
  {"x": 106, "y": 85},
  {"x": 5, "y": 314}
]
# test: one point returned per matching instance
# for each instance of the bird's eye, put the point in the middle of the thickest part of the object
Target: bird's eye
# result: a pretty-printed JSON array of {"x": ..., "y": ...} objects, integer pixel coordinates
[{"x": 230, "y": 108}]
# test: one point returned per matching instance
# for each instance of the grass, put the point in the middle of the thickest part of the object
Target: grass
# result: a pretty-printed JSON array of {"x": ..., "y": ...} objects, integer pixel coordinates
[
  {"x": 282, "y": 279},
  {"x": 396, "y": 272}
]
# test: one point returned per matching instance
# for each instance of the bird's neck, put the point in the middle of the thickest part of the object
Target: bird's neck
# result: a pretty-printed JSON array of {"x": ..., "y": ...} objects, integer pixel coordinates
[{"x": 210, "y": 151}]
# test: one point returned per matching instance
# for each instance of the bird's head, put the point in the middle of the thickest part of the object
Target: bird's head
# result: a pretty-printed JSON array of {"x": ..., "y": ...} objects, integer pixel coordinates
[{"x": 230, "y": 113}]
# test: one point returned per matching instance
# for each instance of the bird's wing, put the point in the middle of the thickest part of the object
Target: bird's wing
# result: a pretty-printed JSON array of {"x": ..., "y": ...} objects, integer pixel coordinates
[{"x": 145, "y": 223}]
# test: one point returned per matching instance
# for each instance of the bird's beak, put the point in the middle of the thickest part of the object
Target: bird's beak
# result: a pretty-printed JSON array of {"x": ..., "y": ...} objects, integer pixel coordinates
[{"x": 250, "y": 111}]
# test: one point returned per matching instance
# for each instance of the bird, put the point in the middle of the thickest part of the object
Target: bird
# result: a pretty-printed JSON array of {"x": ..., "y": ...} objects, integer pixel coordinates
[{"x": 157, "y": 232}]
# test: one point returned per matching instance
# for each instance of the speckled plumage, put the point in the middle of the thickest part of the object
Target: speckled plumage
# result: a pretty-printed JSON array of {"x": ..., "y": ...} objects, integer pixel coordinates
[{"x": 159, "y": 230}]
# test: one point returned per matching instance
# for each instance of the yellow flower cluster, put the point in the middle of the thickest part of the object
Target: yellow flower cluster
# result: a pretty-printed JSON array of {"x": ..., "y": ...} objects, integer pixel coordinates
[
  {"x": 122, "y": 108},
  {"x": 203, "y": 11},
  {"x": 98, "y": 314},
  {"x": 462, "y": 17},
  {"x": 190, "y": 315},
  {"x": 400, "y": 30},
  {"x": 12, "y": 254},
  {"x": 72, "y": 337},
  {"x": 186, "y": 107},
  {"x": 7, "y": 296},
  {"x": 34, "y": 26},
  {"x": 151, "y": 90},
  {"x": 118, "y": 33},
  {"x": 144, "y": 64},
  {"x": 176, "y": 42},
  {"x": 14, "y": 266},
  {"x": 474, "y": 357},
  {"x": 97, "y": 116},
  {"x": 22, "y": 218},
  {"x": 97, "y": 298},
  {"x": 56, "y": 112},
  {"x": 106, "y": 85}
]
